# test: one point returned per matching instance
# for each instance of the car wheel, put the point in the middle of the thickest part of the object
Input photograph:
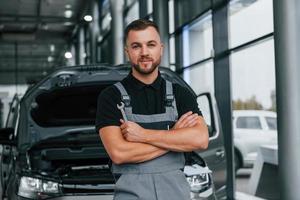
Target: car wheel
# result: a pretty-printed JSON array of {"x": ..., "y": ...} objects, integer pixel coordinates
[{"x": 237, "y": 161}]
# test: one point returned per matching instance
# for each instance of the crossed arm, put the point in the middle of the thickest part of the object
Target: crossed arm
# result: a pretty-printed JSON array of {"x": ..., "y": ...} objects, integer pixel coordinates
[{"x": 130, "y": 143}]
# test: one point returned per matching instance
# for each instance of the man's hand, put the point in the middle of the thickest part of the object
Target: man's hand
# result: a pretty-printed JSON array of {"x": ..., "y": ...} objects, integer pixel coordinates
[
  {"x": 187, "y": 120},
  {"x": 132, "y": 132}
]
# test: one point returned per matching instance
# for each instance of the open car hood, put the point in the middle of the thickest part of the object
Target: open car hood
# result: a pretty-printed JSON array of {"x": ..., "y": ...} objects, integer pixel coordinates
[{"x": 65, "y": 102}]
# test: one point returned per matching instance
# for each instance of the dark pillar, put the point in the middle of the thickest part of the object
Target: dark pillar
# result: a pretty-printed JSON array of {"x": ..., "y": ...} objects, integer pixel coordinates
[
  {"x": 94, "y": 30},
  {"x": 143, "y": 8},
  {"x": 1, "y": 115},
  {"x": 81, "y": 45},
  {"x": 222, "y": 88},
  {"x": 117, "y": 31},
  {"x": 161, "y": 18}
]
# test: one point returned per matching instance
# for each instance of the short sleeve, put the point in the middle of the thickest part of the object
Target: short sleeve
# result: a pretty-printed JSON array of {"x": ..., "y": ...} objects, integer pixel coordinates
[
  {"x": 185, "y": 100},
  {"x": 107, "y": 111}
]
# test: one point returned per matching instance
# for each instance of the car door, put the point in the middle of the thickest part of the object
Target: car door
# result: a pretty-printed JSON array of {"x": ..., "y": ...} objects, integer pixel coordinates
[
  {"x": 249, "y": 133},
  {"x": 214, "y": 155}
]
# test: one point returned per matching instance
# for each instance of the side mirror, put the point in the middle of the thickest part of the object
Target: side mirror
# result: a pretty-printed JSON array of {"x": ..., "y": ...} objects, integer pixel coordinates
[{"x": 7, "y": 136}]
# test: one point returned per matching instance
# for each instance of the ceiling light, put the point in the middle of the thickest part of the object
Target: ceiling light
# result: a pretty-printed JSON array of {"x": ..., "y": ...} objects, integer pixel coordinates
[
  {"x": 100, "y": 38},
  {"x": 68, "y": 55},
  {"x": 68, "y": 13},
  {"x": 68, "y": 23},
  {"x": 68, "y": 6},
  {"x": 50, "y": 59},
  {"x": 52, "y": 47},
  {"x": 88, "y": 18}
]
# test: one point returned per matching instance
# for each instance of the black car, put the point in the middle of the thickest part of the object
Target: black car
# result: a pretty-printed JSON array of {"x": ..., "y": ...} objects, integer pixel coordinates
[{"x": 52, "y": 151}]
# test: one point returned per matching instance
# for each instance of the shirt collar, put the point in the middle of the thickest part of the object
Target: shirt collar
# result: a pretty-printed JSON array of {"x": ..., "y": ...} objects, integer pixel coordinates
[{"x": 137, "y": 84}]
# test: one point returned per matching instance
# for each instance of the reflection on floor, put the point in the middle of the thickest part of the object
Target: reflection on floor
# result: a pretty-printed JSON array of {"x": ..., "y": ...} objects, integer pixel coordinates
[{"x": 242, "y": 181}]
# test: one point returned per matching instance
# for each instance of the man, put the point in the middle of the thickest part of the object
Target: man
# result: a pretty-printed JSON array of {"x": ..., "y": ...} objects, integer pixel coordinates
[{"x": 147, "y": 150}]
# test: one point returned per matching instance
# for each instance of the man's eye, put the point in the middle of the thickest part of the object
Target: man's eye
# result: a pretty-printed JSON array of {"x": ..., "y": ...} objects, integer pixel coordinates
[
  {"x": 151, "y": 45},
  {"x": 135, "y": 47}
]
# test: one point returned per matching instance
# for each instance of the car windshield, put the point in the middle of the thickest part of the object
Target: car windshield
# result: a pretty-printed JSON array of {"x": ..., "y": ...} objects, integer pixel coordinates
[
  {"x": 272, "y": 123},
  {"x": 70, "y": 106}
]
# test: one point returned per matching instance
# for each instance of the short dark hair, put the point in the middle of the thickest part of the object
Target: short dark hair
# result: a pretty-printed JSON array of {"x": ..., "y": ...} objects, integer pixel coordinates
[{"x": 139, "y": 24}]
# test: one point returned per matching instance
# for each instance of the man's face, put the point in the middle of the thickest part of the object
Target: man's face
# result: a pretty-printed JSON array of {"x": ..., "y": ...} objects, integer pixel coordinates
[{"x": 144, "y": 50}]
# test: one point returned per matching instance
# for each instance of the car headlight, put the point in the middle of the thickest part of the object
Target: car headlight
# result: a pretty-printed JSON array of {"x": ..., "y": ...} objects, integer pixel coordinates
[
  {"x": 198, "y": 183},
  {"x": 199, "y": 179},
  {"x": 30, "y": 187}
]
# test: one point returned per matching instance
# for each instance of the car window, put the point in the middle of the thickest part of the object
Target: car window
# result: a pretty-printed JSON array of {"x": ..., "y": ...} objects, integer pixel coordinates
[
  {"x": 248, "y": 123},
  {"x": 204, "y": 103},
  {"x": 272, "y": 123},
  {"x": 13, "y": 113}
]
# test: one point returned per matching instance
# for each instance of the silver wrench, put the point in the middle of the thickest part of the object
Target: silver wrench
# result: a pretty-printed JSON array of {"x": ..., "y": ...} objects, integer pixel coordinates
[{"x": 121, "y": 108}]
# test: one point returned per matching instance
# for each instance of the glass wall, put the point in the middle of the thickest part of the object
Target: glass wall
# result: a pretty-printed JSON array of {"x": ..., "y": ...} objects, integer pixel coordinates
[
  {"x": 253, "y": 75},
  {"x": 197, "y": 40},
  {"x": 200, "y": 77},
  {"x": 191, "y": 46},
  {"x": 249, "y": 20},
  {"x": 252, "y": 57}
]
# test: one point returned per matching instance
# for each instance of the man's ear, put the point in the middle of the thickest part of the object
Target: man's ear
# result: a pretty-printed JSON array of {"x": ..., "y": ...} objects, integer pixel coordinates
[{"x": 126, "y": 52}]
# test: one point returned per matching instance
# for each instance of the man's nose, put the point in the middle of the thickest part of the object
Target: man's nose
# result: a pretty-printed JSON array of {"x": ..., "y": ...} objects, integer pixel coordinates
[{"x": 145, "y": 50}]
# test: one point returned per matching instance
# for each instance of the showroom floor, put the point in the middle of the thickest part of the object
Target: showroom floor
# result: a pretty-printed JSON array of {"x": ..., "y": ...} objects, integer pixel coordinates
[{"x": 242, "y": 181}]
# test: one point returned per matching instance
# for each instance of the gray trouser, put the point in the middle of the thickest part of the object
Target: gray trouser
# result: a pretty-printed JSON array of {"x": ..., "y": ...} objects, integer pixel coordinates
[{"x": 153, "y": 186}]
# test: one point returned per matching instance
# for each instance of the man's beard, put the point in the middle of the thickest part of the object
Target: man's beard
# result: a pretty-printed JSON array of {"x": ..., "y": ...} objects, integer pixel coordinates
[{"x": 146, "y": 71}]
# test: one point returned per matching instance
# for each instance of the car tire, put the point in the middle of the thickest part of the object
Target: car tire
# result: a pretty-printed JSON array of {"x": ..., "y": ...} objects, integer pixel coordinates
[{"x": 237, "y": 161}]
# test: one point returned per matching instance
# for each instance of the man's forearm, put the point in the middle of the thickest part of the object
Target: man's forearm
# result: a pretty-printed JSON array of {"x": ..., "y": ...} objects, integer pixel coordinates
[
  {"x": 181, "y": 140},
  {"x": 135, "y": 152},
  {"x": 122, "y": 151},
  {"x": 188, "y": 134},
  {"x": 182, "y": 137}
]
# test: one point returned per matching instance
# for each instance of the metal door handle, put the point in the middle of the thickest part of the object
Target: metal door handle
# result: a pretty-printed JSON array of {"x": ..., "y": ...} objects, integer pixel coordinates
[{"x": 220, "y": 153}]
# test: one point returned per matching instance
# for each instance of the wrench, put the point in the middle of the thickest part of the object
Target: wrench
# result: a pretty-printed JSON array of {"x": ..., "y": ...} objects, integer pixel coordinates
[{"x": 121, "y": 108}]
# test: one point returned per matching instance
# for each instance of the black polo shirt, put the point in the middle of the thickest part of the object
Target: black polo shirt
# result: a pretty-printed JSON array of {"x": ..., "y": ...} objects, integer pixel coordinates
[{"x": 145, "y": 99}]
